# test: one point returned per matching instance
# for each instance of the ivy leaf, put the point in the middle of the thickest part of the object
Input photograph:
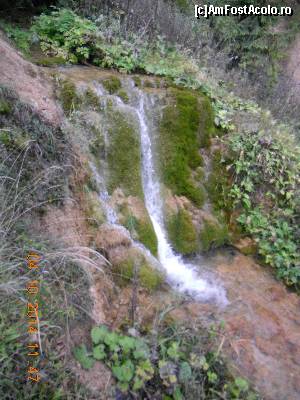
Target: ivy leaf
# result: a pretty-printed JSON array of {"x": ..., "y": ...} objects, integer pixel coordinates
[
  {"x": 124, "y": 373},
  {"x": 127, "y": 343},
  {"x": 99, "y": 352},
  {"x": 98, "y": 334},
  {"x": 112, "y": 341},
  {"x": 81, "y": 355}
]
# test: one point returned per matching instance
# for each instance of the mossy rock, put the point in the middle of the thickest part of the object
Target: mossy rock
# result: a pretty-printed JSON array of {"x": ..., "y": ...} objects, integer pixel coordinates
[
  {"x": 51, "y": 61},
  {"x": 186, "y": 125},
  {"x": 147, "y": 277},
  {"x": 112, "y": 84},
  {"x": 182, "y": 233},
  {"x": 213, "y": 235},
  {"x": 68, "y": 96},
  {"x": 145, "y": 232},
  {"x": 207, "y": 128},
  {"x": 149, "y": 84},
  {"x": 137, "y": 81},
  {"x": 123, "y": 95},
  {"x": 124, "y": 155},
  {"x": 91, "y": 99},
  {"x": 5, "y": 107}
]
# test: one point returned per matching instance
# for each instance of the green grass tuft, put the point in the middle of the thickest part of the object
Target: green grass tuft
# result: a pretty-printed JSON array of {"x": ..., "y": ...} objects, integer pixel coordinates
[{"x": 112, "y": 84}]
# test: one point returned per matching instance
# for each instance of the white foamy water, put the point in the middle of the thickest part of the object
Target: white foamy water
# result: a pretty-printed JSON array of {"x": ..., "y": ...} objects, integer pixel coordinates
[{"x": 181, "y": 275}]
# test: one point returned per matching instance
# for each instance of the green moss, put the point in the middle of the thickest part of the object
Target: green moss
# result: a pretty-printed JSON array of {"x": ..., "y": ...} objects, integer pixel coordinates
[
  {"x": 91, "y": 98},
  {"x": 148, "y": 277},
  {"x": 68, "y": 96},
  {"x": 124, "y": 155},
  {"x": 123, "y": 94},
  {"x": 213, "y": 235},
  {"x": 183, "y": 129},
  {"x": 51, "y": 61},
  {"x": 218, "y": 185},
  {"x": 206, "y": 126},
  {"x": 149, "y": 84},
  {"x": 112, "y": 84},
  {"x": 5, "y": 107},
  {"x": 145, "y": 232},
  {"x": 137, "y": 80},
  {"x": 182, "y": 233}
]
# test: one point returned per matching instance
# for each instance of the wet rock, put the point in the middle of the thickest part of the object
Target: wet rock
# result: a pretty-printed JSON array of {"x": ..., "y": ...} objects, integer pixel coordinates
[{"x": 246, "y": 246}]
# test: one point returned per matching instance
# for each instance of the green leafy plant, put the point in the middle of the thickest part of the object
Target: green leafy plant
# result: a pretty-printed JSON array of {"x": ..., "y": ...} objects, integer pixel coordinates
[
  {"x": 265, "y": 189},
  {"x": 171, "y": 372}
]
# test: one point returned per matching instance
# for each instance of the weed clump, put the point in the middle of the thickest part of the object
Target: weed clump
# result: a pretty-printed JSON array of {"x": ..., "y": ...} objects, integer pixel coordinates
[
  {"x": 5, "y": 107},
  {"x": 68, "y": 96},
  {"x": 112, "y": 84}
]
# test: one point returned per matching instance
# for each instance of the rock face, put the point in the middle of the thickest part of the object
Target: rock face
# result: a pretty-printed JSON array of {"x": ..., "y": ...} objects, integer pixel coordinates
[{"x": 262, "y": 326}]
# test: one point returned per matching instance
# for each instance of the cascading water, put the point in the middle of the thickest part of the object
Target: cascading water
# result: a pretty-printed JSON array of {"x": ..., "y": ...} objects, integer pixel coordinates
[{"x": 181, "y": 275}]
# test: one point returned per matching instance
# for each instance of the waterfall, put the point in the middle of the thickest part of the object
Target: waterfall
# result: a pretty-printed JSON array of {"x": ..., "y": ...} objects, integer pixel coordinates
[
  {"x": 181, "y": 275},
  {"x": 184, "y": 277}
]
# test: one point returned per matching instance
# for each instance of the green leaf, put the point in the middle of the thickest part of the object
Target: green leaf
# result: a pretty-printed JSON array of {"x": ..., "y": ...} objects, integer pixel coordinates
[
  {"x": 173, "y": 351},
  {"x": 177, "y": 395},
  {"x": 98, "y": 334},
  {"x": 112, "y": 341},
  {"x": 125, "y": 372},
  {"x": 138, "y": 384},
  {"x": 242, "y": 384},
  {"x": 142, "y": 350},
  {"x": 81, "y": 355},
  {"x": 127, "y": 343},
  {"x": 99, "y": 352}
]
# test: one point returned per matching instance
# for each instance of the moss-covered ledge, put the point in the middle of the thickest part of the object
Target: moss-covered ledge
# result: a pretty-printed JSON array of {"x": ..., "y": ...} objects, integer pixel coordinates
[{"x": 187, "y": 125}]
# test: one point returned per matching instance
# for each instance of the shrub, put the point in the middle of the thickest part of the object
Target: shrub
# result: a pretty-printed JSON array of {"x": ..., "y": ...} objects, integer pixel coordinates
[{"x": 63, "y": 33}]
